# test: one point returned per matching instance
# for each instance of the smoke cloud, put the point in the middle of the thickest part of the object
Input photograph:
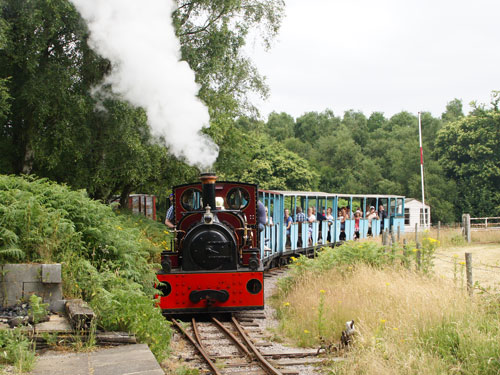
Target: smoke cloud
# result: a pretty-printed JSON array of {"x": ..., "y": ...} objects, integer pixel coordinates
[{"x": 138, "y": 38}]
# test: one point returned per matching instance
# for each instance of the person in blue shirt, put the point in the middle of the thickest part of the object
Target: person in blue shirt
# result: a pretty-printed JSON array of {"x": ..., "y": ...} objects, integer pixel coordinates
[
  {"x": 288, "y": 223},
  {"x": 169, "y": 218}
]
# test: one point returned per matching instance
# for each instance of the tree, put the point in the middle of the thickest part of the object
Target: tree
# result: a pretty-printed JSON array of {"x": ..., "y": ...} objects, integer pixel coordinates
[
  {"x": 280, "y": 126},
  {"x": 453, "y": 111},
  {"x": 50, "y": 70},
  {"x": 274, "y": 167},
  {"x": 212, "y": 35},
  {"x": 469, "y": 151}
]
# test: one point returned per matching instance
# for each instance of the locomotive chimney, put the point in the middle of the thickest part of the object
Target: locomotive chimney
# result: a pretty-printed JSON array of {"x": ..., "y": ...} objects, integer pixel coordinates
[{"x": 208, "y": 183}]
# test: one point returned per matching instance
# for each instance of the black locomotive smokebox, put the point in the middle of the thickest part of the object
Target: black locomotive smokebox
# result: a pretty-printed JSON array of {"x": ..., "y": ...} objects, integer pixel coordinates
[{"x": 209, "y": 247}]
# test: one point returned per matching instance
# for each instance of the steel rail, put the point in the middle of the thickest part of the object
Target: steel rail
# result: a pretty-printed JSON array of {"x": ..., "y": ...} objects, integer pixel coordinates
[
  {"x": 196, "y": 332},
  {"x": 200, "y": 349},
  {"x": 267, "y": 366},
  {"x": 233, "y": 337}
]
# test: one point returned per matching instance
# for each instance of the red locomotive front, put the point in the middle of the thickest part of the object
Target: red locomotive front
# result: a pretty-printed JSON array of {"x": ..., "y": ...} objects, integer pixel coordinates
[{"x": 215, "y": 265}]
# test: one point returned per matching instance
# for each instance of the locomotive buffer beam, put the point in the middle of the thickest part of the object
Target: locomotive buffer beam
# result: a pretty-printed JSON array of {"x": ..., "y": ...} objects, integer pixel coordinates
[{"x": 209, "y": 295}]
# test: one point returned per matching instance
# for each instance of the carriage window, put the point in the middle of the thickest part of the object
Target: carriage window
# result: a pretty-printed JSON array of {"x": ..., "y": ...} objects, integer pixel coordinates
[
  {"x": 237, "y": 198},
  {"x": 191, "y": 199}
]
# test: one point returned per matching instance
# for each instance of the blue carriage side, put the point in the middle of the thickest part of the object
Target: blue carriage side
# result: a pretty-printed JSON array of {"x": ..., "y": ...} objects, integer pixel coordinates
[{"x": 348, "y": 219}]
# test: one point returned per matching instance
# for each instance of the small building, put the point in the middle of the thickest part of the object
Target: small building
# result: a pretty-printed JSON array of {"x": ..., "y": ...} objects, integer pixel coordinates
[{"x": 414, "y": 214}]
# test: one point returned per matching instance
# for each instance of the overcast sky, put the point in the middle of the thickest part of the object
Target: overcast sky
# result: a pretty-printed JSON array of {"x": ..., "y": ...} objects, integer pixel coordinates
[{"x": 381, "y": 55}]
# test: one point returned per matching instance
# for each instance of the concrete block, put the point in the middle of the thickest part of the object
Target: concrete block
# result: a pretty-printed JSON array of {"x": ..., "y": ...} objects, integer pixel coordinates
[
  {"x": 51, "y": 273},
  {"x": 20, "y": 281},
  {"x": 15, "y": 273}
]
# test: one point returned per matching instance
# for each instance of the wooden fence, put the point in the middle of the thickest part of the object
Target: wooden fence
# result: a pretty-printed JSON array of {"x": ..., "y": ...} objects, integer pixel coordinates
[{"x": 484, "y": 223}]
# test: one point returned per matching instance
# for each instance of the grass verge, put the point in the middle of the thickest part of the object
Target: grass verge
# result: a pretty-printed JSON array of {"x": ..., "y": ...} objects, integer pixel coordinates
[{"x": 408, "y": 322}]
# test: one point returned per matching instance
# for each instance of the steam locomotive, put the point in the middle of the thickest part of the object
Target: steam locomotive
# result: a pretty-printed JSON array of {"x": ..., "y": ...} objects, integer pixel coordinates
[
  {"x": 219, "y": 254},
  {"x": 215, "y": 265}
]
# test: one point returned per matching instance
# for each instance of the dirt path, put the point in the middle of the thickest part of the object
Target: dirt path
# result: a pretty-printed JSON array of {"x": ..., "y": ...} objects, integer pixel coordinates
[{"x": 485, "y": 263}]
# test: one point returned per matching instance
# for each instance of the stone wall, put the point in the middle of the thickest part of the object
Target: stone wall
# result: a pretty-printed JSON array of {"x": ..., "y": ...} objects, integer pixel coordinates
[{"x": 20, "y": 281}]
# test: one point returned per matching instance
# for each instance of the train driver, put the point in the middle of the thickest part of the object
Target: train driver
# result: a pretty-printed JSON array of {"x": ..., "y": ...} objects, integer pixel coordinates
[{"x": 169, "y": 218}]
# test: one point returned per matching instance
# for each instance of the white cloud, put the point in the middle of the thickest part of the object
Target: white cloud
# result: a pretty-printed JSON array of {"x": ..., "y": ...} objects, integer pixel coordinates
[{"x": 382, "y": 55}]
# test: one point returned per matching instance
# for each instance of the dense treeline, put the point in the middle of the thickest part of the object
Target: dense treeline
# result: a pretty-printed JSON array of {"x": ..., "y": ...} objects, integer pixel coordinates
[{"x": 51, "y": 126}]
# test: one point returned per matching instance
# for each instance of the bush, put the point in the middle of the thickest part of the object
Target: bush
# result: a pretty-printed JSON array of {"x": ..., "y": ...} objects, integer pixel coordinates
[{"x": 105, "y": 255}]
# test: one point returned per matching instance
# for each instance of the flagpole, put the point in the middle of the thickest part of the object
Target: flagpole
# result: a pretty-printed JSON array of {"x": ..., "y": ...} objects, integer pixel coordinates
[{"x": 422, "y": 167}]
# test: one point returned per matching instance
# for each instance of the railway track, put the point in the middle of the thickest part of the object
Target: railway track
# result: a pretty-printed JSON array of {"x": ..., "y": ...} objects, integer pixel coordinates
[
  {"x": 241, "y": 344},
  {"x": 225, "y": 347}
]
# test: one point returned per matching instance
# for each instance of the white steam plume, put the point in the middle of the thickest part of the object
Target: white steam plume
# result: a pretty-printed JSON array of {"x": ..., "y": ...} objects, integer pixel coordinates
[{"x": 138, "y": 38}]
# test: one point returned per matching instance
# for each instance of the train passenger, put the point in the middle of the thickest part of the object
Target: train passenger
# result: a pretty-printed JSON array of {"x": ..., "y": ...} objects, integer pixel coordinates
[
  {"x": 261, "y": 215},
  {"x": 288, "y": 222},
  {"x": 382, "y": 215},
  {"x": 342, "y": 217},
  {"x": 269, "y": 219},
  {"x": 357, "y": 218},
  {"x": 371, "y": 215},
  {"x": 319, "y": 217},
  {"x": 311, "y": 218},
  {"x": 300, "y": 217},
  {"x": 329, "y": 217},
  {"x": 169, "y": 217}
]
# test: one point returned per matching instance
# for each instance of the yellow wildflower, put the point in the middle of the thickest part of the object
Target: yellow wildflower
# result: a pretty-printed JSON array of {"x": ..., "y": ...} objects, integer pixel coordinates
[
  {"x": 387, "y": 284},
  {"x": 322, "y": 291},
  {"x": 395, "y": 328},
  {"x": 462, "y": 263},
  {"x": 165, "y": 232},
  {"x": 306, "y": 331},
  {"x": 286, "y": 304},
  {"x": 382, "y": 321},
  {"x": 414, "y": 250},
  {"x": 119, "y": 227}
]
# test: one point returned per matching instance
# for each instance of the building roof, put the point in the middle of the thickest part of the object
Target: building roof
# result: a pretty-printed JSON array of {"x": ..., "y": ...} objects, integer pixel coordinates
[{"x": 413, "y": 200}]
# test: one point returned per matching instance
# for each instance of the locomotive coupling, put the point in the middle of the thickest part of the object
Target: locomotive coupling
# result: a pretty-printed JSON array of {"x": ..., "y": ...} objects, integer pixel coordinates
[{"x": 210, "y": 295}]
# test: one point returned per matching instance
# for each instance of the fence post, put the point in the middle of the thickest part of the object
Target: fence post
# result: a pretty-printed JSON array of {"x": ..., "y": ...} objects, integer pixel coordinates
[
  {"x": 466, "y": 225},
  {"x": 439, "y": 229},
  {"x": 416, "y": 233},
  {"x": 468, "y": 269},
  {"x": 393, "y": 238},
  {"x": 399, "y": 233},
  {"x": 419, "y": 258}
]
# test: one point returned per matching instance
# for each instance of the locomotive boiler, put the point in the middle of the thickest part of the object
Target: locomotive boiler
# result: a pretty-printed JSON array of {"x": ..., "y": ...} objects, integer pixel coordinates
[{"x": 215, "y": 265}]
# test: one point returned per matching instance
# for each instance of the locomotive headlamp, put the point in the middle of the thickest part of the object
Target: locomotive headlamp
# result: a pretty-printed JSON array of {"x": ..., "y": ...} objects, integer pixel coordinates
[{"x": 208, "y": 217}]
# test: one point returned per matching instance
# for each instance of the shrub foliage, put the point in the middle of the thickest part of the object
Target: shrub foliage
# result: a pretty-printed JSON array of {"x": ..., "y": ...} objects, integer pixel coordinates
[{"x": 107, "y": 258}]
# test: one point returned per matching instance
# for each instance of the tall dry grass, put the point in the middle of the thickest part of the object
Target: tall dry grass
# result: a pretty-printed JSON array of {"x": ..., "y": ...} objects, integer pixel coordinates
[
  {"x": 452, "y": 237},
  {"x": 407, "y": 323}
]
